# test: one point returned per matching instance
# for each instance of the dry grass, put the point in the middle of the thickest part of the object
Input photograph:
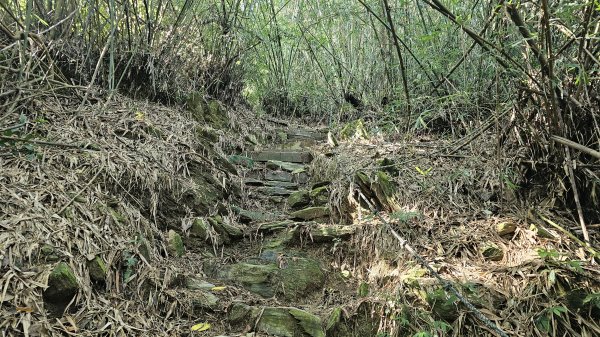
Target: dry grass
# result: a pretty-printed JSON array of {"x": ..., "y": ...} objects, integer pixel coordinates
[{"x": 450, "y": 207}]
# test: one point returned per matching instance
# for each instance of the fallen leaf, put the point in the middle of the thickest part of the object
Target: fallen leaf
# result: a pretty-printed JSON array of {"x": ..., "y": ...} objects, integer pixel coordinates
[
  {"x": 201, "y": 327},
  {"x": 218, "y": 288}
]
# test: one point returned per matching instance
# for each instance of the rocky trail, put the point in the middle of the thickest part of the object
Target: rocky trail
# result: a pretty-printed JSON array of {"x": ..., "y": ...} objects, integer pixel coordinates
[
  {"x": 276, "y": 257},
  {"x": 202, "y": 223}
]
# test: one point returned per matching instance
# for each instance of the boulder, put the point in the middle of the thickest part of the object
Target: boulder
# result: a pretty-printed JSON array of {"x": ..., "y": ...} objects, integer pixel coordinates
[
  {"x": 62, "y": 285},
  {"x": 325, "y": 233},
  {"x": 97, "y": 269},
  {"x": 277, "y": 321},
  {"x": 491, "y": 251},
  {"x": 320, "y": 195},
  {"x": 253, "y": 216},
  {"x": 301, "y": 276},
  {"x": 175, "y": 244},
  {"x": 505, "y": 228},
  {"x": 299, "y": 199},
  {"x": 310, "y": 213},
  {"x": 207, "y": 111}
]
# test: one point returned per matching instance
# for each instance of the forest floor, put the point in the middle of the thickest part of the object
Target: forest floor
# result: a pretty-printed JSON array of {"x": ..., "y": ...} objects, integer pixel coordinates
[{"x": 131, "y": 218}]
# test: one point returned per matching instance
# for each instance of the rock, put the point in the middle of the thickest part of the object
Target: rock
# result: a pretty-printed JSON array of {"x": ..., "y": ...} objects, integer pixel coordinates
[
  {"x": 299, "y": 199},
  {"x": 310, "y": 213},
  {"x": 62, "y": 285},
  {"x": 202, "y": 300},
  {"x": 49, "y": 253},
  {"x": 282, "y": 184},
  {"x": 200, "y": 229},
  {"x": 505, "y": 228},
  {"x": 300, "y": 277},
  {"x": 277, "y": 321},
  {"x": 143, "y": 247},
  {"x": 305, "y": 134},
  {"x": 310, "y": 323},
  {"x": 225, "y": 229},
  {"x": 492, "y": 252},
  {"x": 325, "y": 233},
  {"x": 253, "y": 182},
  {"x": 334, "y": 320},
  {"x": 174, "y": 244},
  {"x": 279, "y": 176},
  {"x": 193, "y": 283},
  {"x": 241, "y": 160},
  {"x": 275, "y": 225},
  {"x": 320, "y": 184},
  {"x": 286, "y": 166},
  {"x": 274, "y": 191},
  {"x": 207, "y": 111},
  {"x": 354, "y": 130},
  {"x": 253, "y": 216},
  {"x": 320, "y": 196},
  {"x": 295, "y": 279},
  {"x": 97, "y": 270},
  {"x": 255, "y": 278},
  {"x": 282, "y": 156}
]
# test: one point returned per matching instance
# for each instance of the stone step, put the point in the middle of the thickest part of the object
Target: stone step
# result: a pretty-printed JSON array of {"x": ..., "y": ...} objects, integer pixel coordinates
[
  {"x": 304, "y": 134},
  {"x": 274, "y": 191},
  {"x": 286, "y": 166},
  {"x": 254, "y": 216},
  {"x": 271, "y": 183},
  {"x": 284, "y": 176},
  {"x": 283, "y": 156}
]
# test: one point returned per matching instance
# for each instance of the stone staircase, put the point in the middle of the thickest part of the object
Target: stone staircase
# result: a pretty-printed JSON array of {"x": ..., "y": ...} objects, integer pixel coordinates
[{"x": 285, "y": 214}]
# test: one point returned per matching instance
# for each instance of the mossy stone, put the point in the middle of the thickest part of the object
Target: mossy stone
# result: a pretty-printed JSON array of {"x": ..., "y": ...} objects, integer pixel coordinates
[
  {"x": 97, "y": 270},
  {"x": 62, "y": 285},
  {"x": 492, "y": 252},
  {"x": 200, "y": 229},
  {"x": 310, "y": 213},
  {"x": 207, "y": 111},
  {"x": 320, "y": 195},
  {"x": 175, "y": 245},
  {"x": 334, "y": 319},
  {"x": 299, "y": 199},
  {"x": 310, "y": 323},
  {"x": 300, "y": 277},
  {"x": 505, "y": 228}
]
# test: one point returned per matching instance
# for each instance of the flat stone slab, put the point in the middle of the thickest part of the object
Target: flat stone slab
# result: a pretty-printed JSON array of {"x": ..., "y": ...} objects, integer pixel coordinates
[
  {"x": 253, "y": 182},
  {"x": 324, "y": 233},
  {"x": 275, "y": 191},
  {"x": 286, "y": 166},
  {"x": 279, "y": 176},
  {"x": 299, "y": 178},
  {"x": 284, "y": 156},
  {"x": 306, "y": 134},
  {"x": 284, "y": 184},
  {"x": 254, "y": 216},
  {"x": 310, "y": 213}
]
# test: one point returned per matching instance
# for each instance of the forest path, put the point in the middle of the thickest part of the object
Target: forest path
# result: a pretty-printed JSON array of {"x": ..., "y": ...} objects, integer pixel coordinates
[{"x": 278, "y": 267}]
